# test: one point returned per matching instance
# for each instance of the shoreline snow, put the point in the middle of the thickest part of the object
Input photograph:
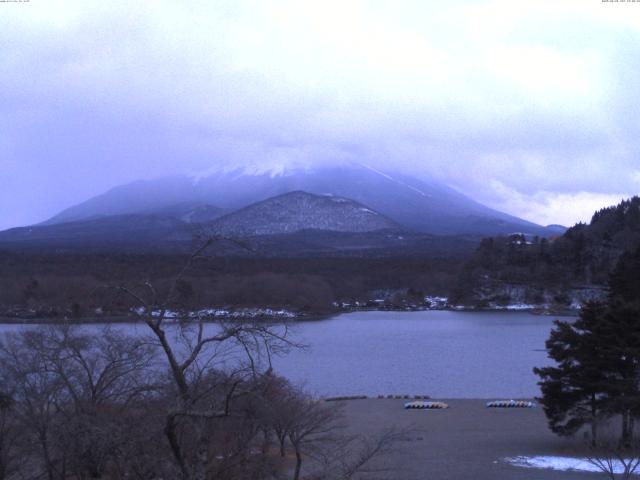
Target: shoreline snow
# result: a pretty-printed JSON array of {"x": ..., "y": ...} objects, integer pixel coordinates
[{"x": 564, "y": 464}]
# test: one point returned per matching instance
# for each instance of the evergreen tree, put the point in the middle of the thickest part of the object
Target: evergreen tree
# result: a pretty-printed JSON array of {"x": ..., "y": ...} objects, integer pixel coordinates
[
  {"x": 598, "y": 359},
  {"x": 624, "y": 282},
  {"x": 6, "y": 401},
  {"x": 574, "y": 392},
  {"x": 620, "y": 337}
]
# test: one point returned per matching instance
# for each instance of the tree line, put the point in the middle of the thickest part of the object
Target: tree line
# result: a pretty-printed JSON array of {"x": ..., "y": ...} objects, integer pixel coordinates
[{"x": 72, "y": 285}]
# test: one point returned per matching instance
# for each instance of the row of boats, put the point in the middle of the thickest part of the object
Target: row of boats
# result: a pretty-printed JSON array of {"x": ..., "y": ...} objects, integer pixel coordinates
[{"x": 419, "y": 405}]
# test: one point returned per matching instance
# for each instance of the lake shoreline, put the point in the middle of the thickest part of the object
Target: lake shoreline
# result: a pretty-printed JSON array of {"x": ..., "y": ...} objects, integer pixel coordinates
[{"x": 295, "y": 316}]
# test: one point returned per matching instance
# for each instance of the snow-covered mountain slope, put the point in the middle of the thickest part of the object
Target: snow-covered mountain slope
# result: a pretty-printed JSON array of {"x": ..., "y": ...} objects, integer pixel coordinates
[
  {"x": 295, "y": 211},
  {"x": 419, "y": 205}
]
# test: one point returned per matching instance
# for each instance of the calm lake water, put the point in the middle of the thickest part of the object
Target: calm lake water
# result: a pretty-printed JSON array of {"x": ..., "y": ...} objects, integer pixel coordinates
[{"x": 444, "y": 354}]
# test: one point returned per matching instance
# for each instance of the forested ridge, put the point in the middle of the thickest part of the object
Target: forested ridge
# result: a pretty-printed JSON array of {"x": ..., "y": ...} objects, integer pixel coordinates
[
  {"x": 581, "y": 258},
  {"x": 62, "y": 285}
]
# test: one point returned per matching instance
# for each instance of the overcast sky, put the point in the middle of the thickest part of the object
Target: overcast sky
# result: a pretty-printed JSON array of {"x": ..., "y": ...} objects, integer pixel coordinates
[{"x": 531, "y": 107}]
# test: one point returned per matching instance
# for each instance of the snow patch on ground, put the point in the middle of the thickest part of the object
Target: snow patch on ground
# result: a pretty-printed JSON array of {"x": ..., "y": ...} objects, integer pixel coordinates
[
  {"x": 565, "y": 464},
  {"x": 519, "y": 306},
  {"x": 436, "y": 303},
  {"x": 222, "y": 313}
]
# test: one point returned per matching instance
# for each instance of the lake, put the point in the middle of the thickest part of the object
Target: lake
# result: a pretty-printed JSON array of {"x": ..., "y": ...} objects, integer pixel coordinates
[{"x": 445, "y": 354}]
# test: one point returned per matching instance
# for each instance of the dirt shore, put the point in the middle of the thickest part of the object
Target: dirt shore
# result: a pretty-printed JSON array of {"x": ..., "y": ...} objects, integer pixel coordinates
[{"x": 465, "y": 441}]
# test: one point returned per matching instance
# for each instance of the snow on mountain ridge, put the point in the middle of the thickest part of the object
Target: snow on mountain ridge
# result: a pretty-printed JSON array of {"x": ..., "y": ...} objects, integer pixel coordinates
[
  {"x": 270, "y": 169},
  {"x": 288, "y": 169},
  {"x": 396, "y": 180}
]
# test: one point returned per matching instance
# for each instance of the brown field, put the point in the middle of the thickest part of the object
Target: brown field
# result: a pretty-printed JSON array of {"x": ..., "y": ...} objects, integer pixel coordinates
[{"x": 465, "y": 441}]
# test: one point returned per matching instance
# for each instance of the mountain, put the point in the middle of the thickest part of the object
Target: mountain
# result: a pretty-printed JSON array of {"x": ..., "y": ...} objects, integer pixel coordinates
[
  {"x": 424, "y": 206},
  {"x": 295, "y": 211},
  {"x": 295, "y": 224},
  {"x": 133, "y": 198}
]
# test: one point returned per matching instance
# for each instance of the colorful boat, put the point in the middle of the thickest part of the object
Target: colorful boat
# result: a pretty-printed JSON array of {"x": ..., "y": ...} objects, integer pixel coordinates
[
  {"x": 510, "y": 404},
  {"x": 425, "y": 405}
]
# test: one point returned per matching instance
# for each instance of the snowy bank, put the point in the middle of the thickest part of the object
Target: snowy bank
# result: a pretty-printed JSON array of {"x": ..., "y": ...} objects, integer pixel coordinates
[
  {"x": 564, "y": 464},
  {"x": 223, "y": 313}
]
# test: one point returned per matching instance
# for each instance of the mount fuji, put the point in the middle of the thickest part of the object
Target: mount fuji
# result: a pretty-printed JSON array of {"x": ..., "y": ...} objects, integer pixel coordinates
[{"x": 417, "y": 205}]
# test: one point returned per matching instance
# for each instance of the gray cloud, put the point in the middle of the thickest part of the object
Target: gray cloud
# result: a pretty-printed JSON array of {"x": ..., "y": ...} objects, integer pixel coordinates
[{"x": 530, "y": 109}]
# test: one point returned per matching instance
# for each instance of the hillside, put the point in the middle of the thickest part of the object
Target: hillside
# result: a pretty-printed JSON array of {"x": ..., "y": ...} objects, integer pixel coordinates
[
  {"x": 297, "y": 211},
  {"x": 534, "y": 270},
  {"x": 118, "y": 232},
  {"x": 190, "y": 212}
]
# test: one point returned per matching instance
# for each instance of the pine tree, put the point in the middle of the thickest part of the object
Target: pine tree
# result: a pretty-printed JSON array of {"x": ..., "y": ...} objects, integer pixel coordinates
[
  {"x": 620, "y": 337},
  {"x": 624, "y": 281},
  {"x": 6, "y": 401},
  {"x": 598, "y": 360},
  {"x": 575, "y": 391}
]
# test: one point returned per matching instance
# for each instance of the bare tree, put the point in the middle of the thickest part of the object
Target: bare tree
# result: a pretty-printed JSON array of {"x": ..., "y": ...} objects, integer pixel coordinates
[
  {"x": 358, "y": 456},
  {"x": 281, "y": 399},
  {"x": 316, "y": 431},
  {"x": 615, "y": 458},
  {"x": 109, "y": 368},
  {"x": 194, "y": 359},
  {"x": 103, "y": 374},
  {"x": 310, "y": 423},
  {"x": 10, "y": 439},
  {"x": 71, "y": 389},
  {"x": 37, "y": 393}
]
